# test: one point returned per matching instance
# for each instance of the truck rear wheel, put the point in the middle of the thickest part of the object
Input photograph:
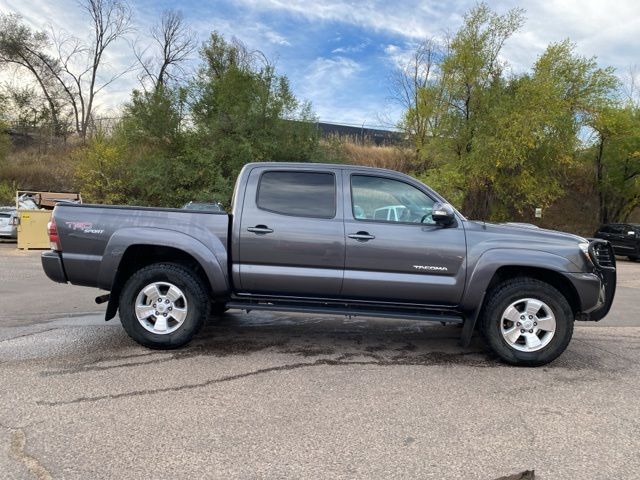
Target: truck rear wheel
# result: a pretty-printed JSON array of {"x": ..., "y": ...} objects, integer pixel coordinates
[
  {"x": 527, "y": 322},
  {"x": 163, "y": 306}
]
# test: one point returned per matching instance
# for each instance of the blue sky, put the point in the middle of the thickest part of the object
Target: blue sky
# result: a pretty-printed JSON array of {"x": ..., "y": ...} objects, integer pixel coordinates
[{"x": 341, "y": 54}]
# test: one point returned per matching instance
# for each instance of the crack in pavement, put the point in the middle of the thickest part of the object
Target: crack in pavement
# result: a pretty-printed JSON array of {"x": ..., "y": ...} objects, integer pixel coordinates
[
  {"x": 99, "y": 368},
  {"x": 436, "y": 358},
  {"x": 29, "y": 334},
  {"x": 17, "y": 450}
]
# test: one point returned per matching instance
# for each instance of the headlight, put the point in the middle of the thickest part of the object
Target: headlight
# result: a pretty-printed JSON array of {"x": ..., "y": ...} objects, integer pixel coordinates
[{"x": 584, "y": 247}]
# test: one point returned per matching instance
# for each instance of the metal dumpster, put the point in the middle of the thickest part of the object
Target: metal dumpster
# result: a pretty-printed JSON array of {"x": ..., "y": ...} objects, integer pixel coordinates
[
  {"x": 34, "y": 212},
  {"x": 32, "y": 228}
]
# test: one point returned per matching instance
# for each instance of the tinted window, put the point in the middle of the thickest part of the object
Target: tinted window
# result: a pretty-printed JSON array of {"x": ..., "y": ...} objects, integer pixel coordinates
[
  {"x": 303, "y": 194},
  {"x": 387, "y": 200}
]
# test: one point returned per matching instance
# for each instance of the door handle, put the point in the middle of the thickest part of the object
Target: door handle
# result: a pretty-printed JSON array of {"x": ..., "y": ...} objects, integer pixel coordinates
[
  {"x": 361, "y": 236},
  {"x": 260, "y": 229}
]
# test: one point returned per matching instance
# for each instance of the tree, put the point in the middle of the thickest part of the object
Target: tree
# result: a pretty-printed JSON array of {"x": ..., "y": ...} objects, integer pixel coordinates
[
  {"x": 451, "y": 109},
  {"x": 24, "y": 48},
  {"x": 473, "y": 79},
  {"x": 155, "y": 117},
  {"x": 5, "y": 143},
  {"x": 111, "y": 21},
  {"x": 174, "y": 42},
  {"x": 503, "y": 143},
  {"x": 531, "y": 133},
  {"x": 616, "y": 157},
  {"x": 244, "y": 111},
  {"x": 103, "y": 171},
  {"x": 73, "y": 75},
  {"x": 418, "y": 87}
]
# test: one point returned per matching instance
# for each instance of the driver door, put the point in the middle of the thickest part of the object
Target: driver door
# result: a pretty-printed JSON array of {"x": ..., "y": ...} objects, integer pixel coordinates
[{"x": 394, "y": 251}]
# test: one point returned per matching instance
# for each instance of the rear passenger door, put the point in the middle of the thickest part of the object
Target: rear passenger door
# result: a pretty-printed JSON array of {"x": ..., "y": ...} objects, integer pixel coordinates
[{"x": 292, "y": 233}]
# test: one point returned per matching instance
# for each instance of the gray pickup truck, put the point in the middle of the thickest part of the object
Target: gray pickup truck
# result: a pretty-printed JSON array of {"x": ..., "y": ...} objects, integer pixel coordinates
[{"x": 335, "y": 239}]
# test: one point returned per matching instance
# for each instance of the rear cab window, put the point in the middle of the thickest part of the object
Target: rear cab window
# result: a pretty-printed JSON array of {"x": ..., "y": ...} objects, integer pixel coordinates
[{"x": 297, "y": 193}]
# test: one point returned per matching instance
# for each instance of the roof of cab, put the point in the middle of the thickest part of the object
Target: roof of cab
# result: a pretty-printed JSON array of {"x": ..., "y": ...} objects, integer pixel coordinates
[{"x": 341, "y": 166}]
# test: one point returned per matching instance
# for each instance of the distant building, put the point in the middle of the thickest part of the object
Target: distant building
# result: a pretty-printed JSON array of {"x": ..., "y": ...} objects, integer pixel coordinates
[{"x": 360, "y": 134}]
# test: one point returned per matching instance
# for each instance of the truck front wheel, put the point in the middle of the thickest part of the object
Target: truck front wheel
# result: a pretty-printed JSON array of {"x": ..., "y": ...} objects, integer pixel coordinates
[
  {"x": 163, "y": 306},
  {"x": 527, "y": 322}
]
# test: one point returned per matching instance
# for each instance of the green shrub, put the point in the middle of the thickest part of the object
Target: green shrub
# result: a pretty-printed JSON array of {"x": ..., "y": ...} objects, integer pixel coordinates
[
  {"x": 7, "y": 193},
  {"x": 102, "y": 171}
]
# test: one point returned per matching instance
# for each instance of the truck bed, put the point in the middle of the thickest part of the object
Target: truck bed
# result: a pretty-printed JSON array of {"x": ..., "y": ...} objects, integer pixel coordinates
[{"x": 86, "y": 231}]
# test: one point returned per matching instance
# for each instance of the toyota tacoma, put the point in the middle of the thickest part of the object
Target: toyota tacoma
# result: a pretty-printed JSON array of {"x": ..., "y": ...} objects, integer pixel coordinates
[{"x": 334, "y": 239}]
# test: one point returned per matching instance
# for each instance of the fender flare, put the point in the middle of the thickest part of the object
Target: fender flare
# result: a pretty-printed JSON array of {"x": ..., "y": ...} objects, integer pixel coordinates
[
  {"x": 486, "y": 266},
  {"x": 211, "y": 256}
]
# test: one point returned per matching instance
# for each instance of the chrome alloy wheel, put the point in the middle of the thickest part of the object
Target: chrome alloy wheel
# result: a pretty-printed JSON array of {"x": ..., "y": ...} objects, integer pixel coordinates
[
  {"x": 528, "y": 325},
  {"x": 161, "y": 307}
]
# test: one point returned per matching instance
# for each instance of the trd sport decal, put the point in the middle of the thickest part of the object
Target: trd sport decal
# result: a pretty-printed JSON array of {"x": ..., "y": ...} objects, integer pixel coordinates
[{"x": 86, "y": 227}]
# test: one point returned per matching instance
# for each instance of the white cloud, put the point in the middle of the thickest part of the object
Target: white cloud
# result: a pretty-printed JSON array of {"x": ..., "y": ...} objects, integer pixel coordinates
[
  {"x": 254, "y": 34},
  {"x": 276, "y": 38},
  {"x": 411, "y": 19},
  {"x": 339, "y": 89},
  {"x": 330, "y": 83},
  {"x": 399, "y": 55},
  {"x": 331, "y": 73},
  {"x": 605, "y": 29},
  {"x": 351, "y": 48}
]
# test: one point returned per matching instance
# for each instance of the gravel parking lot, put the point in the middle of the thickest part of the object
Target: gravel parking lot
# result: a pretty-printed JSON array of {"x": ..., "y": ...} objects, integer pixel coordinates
[{"x": 265, "y": 395}]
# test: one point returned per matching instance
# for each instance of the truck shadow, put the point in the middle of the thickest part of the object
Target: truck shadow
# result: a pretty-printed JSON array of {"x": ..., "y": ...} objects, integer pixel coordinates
[
  {"x": 307, "y": 340},
  {"x": 309, "y": 336}
]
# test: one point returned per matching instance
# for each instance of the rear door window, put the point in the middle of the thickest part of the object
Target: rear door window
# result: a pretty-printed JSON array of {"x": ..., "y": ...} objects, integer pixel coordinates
[{"x": 302, "y": 194}]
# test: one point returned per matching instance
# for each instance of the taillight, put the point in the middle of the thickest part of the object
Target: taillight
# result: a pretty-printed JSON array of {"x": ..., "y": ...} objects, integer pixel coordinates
[{"x": 54, "y": 239}]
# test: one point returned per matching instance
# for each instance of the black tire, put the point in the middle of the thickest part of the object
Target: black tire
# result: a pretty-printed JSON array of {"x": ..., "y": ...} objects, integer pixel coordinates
[
  {"x": 185, "y": 280},
  {"x": 511, "y": 291}
]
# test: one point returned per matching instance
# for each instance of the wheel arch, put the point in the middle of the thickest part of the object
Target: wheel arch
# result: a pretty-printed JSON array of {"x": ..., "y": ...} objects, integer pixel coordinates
[
  {"x": 552, "y": 277},
  {"x": 131, "y": 251},
  {"x": 496, "y": 265}
]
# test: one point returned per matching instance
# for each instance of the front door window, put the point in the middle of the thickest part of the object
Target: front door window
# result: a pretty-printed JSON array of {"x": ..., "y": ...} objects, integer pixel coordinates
[{"x": 387, "y": 200}]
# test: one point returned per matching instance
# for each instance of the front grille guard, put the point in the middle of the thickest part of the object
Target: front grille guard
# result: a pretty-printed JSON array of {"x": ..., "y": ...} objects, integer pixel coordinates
[
  {"x": 607, "y": 274},
  {"x": 596, "y": 245}
]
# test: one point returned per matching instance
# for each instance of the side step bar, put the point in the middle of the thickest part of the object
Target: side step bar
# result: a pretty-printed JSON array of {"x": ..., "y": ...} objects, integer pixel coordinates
[{"x": 349, "y": 311}]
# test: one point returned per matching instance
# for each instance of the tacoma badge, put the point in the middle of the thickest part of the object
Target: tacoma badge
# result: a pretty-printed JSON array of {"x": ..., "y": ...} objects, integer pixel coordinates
[{"x": 430, "y": 268}]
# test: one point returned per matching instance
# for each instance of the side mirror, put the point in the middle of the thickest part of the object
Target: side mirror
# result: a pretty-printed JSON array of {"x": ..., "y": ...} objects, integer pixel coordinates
[{"x": 443, "y": 214}]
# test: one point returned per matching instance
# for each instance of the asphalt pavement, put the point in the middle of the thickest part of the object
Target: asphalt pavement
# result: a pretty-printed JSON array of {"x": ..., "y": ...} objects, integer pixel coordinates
[{"x": 269, "y": 395}]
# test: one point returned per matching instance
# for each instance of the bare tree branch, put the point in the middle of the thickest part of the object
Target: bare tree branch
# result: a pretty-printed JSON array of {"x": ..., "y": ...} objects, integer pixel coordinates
[{"x": 174, "y": 42}]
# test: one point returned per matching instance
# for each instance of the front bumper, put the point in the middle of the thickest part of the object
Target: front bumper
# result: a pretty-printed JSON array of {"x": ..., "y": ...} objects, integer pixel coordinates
[
  {"x": 52, "y": 265},
  {"x": 604, "y": 260},
  {"x": 605, "y": 299}
]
